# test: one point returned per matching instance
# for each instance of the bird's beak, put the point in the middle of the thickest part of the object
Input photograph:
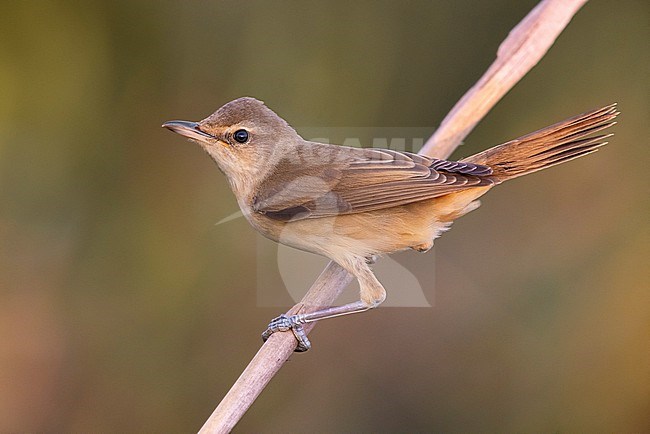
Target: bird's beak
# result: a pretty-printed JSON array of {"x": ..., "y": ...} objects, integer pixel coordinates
[{"x": 187, "y": 129}]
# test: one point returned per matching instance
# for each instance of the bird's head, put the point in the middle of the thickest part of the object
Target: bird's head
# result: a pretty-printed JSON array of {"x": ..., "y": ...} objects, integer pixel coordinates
[{"x": 244, "y": 137}]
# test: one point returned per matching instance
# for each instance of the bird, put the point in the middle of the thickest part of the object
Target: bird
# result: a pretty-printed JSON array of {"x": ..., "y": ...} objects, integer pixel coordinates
[{"x": 353, "y": 205}]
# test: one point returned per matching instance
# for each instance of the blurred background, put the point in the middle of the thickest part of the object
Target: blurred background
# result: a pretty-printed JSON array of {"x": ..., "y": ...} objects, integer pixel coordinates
[{"x": 124, "y": 308}]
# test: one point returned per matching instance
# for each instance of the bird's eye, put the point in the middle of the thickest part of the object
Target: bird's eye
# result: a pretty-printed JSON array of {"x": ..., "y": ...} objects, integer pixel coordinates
[{"x": 241, "y": 136}]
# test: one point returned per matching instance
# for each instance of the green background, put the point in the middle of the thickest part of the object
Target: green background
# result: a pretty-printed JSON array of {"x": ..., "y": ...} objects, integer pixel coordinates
[{"x": 123, "y": 308}]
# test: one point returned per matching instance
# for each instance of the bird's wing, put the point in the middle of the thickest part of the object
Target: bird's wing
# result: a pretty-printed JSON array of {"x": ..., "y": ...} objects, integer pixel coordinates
[{"x": 360, "y": 180}]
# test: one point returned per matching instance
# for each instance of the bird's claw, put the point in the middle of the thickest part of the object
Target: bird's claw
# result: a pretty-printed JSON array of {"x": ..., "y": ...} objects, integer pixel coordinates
[{"x": 285, "y": 323}]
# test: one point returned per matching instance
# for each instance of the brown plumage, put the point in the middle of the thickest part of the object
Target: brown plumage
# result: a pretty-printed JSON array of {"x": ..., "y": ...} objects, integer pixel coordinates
[
  {"x": 549, "y": 146},
  {"x": 350, "y": 204}
]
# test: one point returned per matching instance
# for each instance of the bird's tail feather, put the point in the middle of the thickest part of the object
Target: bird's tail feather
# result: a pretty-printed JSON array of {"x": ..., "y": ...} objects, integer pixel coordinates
[{"x": 564, "y": 141}]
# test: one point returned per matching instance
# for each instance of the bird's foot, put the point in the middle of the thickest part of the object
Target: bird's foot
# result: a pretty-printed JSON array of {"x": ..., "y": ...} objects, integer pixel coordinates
[
  {"x": 285, "y": 323},
  {"x": 372, "y": 259}
]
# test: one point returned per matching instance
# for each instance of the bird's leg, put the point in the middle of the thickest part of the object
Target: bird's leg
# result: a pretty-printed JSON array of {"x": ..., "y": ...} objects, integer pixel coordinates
[
  {"x": 372, "y": 294},
  {"x": 294, "y": 323}
]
